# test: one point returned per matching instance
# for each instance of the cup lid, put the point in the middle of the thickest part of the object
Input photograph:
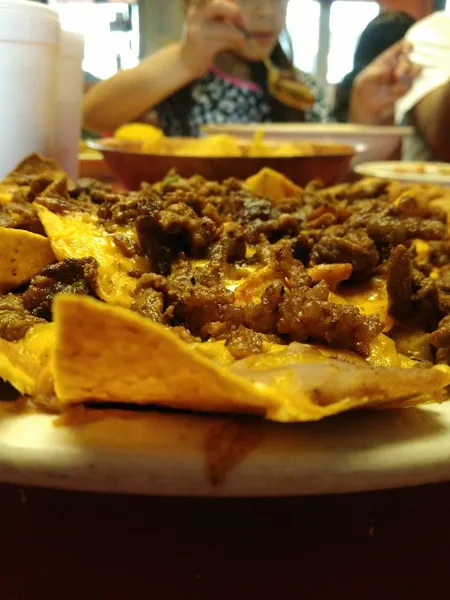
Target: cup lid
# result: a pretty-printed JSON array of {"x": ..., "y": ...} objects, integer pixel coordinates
[{"x": 25, "y": 21}]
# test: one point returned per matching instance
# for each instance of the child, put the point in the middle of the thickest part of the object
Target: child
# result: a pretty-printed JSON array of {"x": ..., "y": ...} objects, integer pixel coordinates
[
  {"x": 216, "y": 74},
  {"x": 213, "y": 75}
]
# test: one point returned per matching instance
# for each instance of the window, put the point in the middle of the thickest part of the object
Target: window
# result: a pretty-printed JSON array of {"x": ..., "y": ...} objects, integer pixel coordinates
[
  {"x": 107, "y": 48},
  {"x": 347, "y": 21},
  {"x": 303, "y": 22},
  {"x": 324, "y": 35}
]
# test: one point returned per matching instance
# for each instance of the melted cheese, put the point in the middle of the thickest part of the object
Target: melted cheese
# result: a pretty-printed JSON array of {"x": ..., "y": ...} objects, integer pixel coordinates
[
  {"x": 25, "y": 364},
  {"x": 371, "y": 299},
  {"x": 78, "y": 235}
]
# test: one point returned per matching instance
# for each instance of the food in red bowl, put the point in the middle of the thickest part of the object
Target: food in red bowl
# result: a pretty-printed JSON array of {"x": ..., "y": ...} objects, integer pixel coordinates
[{"x": 132, "y": 164}]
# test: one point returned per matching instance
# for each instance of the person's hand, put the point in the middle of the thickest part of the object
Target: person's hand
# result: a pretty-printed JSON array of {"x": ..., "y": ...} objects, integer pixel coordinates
[
  {"x": 378, "y": 87},
  {"x": 212, "y": 26}
]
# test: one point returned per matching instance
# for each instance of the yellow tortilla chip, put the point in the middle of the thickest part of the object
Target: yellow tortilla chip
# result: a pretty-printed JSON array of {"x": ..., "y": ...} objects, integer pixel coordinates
[
  {"x": 25, "y": 364},
  {"x": 257, "y": 146},
  {"x": 272, "y": 185},
  {"x": 139, "y": 132},
  {"x": 312, "y": 389},
  {"x": 78, "y": 235},
  {"x": 6, "y": 193},
  {"x": 34, "y": 165},
  {"x": 23, "y": 255},
  {"x": 211, "y": 146},
  {"x": 133, "y": 361}
]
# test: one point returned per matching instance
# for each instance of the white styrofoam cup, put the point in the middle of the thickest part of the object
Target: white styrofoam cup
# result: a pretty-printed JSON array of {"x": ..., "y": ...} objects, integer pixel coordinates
[
  {"x": 69, "y": 101},
  {"x": 29, "y": 45}
]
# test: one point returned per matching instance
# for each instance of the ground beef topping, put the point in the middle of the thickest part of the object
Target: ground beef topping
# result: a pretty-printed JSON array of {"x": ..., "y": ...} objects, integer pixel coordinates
[
  {"x": 243, "y": 342},
  {"x": 199, "y": 235},
  {"x": 71, "y": 276},
  {"x": 15, "y": 320},
  {"x": 413, "y": 298},
  {"x": 20, "y": 214}
]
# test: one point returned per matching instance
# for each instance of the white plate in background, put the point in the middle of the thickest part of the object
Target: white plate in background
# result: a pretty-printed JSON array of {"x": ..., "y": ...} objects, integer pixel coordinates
[{"x": 408, "y": 172}]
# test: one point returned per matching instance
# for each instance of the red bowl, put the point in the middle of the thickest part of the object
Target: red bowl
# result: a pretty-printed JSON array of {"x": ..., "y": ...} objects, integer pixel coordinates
[{"x": 329, "y": 163}]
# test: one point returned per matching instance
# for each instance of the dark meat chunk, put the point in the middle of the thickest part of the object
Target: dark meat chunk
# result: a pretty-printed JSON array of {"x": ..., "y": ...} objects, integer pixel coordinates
[
  {"x": 400, "y": 287},
  {"x": 243, "y": 342},
  {"x": 231, "y": 246},
  {"x": 147, "y": 301},
  {"x": 71, "y": 276},
  {"x": 413, "y": 298},
  {"x": 440, "y": 339},
  {"x": 386, "y": 230},
  {"x": 126, "y": 245},
  {"x": 87, "y": 189},
  {"x": 21, "y": 215},
  {"x": 293, "y": 270},
  {"x": 15, "y": 320},
  {"x": 255, "y": 208},
  {"x": 305, "y": 313},
  {"x": 274, "y": 229},
  {"x": 425, "y": 229},
  {"x": 263, "y": 316},
  {"x": 440, "y": 253},
  {"x": 188, "y": 302},
  {"x": 355, "y": 248},
  {"x": 165, "y": 234},
  {"x": 118, "y": 209},
  {"x": 57, "y": 199}
]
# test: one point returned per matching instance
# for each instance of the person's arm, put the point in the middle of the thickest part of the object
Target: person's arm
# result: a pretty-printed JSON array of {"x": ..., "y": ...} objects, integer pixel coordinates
[
  {"x": 431, "y": 116},
  {"x": 379, "y": 86},
  {"x": 127, "y": 95}
]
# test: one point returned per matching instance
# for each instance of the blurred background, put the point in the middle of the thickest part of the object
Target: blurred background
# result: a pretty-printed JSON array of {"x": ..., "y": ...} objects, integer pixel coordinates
[{"x": 324, "y": 32}]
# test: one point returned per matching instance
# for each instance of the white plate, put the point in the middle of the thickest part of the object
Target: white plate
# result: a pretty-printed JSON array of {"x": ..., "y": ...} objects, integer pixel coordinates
[
  {"x": 407, "y": 171},
  {"x": 380, "y": 142},
  {"x": 166, "y": 453}
]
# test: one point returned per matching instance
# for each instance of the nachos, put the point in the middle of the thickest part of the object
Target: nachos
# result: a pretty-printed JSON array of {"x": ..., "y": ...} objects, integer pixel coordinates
[{"x": 254, "y": 297}]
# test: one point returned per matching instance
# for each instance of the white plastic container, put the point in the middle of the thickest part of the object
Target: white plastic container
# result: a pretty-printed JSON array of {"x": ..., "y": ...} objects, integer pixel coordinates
[
  {"x": 69, "y": 100},
  {"x": 29, "y": 43}
]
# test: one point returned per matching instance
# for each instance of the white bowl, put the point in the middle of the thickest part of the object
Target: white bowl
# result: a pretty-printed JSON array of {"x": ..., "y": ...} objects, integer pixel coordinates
[
  {"x": 380, "y": 142},
  {"x": 408, "y": 172}
]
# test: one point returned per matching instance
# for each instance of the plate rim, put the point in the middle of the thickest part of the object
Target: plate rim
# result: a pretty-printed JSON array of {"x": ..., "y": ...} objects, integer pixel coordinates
[{"x": 267, "y": 472}]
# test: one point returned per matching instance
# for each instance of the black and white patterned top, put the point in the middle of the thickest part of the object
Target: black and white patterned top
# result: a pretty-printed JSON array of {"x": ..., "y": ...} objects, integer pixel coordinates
[{"x": 219, "y": 98}]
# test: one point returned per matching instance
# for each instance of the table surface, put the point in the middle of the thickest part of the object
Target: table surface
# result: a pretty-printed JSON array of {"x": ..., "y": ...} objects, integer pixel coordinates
[{"x": 380, "y": 545}]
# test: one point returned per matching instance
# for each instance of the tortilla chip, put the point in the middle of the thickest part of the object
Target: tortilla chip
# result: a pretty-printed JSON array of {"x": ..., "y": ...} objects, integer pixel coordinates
[
  {"x": 332, "y": 387},
  {"x": 132, "y": 360},
  {"x": 139, "y": 132},
  {"x": 25, "y": 364},
  {"x": 211, "y": 146},
  {"x": 34, "y": 165},
  {"x": 257, "y": 147},
  {"x": 272, "y": 185},
  {"x": 23, "y": 255},
  {"x": 78, "y": 235}
]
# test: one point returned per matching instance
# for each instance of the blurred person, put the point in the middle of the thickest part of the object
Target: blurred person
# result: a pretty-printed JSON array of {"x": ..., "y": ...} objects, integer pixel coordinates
[
  {"x": 427, "y": 104},
  {"x": 379, "y": 35},
  {"x": 216, "y": 75}
]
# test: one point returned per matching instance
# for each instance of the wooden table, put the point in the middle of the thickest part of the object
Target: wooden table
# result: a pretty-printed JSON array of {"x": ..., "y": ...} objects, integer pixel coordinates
[{"x": 382, "y": 545}]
